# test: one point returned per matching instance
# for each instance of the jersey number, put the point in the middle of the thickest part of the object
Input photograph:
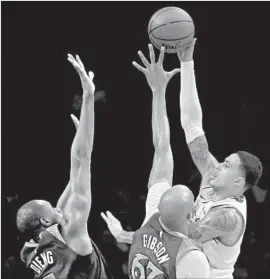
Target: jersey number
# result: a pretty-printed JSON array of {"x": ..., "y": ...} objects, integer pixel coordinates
[{"x": 138, "y": 270}]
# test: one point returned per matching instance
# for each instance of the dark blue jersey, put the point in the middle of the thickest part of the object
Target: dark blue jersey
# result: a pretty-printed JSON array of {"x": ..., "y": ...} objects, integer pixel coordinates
[{"x": 51, "y": 258}]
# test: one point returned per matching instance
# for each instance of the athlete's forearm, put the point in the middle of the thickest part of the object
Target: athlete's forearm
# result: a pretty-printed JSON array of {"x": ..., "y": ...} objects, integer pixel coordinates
[
  {"x": 82, "y": 145},
  {"x": 160, "y": 123},
  {"x": 190, "y": 107},
  {"x": 126, "y": 237}
]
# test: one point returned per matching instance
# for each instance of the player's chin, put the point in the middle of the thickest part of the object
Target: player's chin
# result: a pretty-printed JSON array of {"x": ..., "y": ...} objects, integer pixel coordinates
[
  {"x": 213, "y": 182},
  {"x": 58, "y": 218}
]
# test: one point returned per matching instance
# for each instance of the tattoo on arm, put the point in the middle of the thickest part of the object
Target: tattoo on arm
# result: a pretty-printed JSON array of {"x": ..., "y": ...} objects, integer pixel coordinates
[
  {"x": 217, "y": 223},
  {"x": 201, "y": 156}
]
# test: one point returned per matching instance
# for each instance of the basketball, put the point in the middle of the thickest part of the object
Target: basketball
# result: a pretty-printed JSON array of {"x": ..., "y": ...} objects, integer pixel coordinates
[{"x": 172, "y": 28}]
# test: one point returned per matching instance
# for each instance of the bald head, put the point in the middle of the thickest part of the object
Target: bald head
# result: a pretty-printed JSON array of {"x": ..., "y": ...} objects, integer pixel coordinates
[
  {"x": 31, "y": 214},
  {"x": 175, "y": 206}
]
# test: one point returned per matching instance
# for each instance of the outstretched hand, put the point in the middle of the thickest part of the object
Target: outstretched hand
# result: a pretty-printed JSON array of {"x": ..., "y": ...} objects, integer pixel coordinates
[
  {"x": 156, "y": 76},
  {"x": 186, "y": 54},
  {"x": 113, "y": 224},
  {"x": 86, "y": 79}
]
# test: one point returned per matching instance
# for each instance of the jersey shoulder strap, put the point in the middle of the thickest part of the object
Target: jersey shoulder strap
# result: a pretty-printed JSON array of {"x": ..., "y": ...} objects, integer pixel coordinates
[{"x": 54, "y": 230}]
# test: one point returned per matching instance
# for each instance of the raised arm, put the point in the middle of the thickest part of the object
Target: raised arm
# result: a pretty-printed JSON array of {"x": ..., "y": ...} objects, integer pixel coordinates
[
  {"x": 161, "y": 174},
  {"x": 62, "y": 202},
  {"x": 79, "y": 203},
  {"x": 157, "y": 78},
  {"x": 191, "y": 114}
]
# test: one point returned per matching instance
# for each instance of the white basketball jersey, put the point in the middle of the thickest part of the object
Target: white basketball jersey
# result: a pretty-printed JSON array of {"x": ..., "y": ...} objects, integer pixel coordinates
[{"x": 221, "y": 258}]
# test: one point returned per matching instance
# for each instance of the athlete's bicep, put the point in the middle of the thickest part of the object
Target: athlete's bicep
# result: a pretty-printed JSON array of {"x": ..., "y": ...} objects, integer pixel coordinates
[
  {"x": 153, "y": 199},
  {"x": 75, "y": 229},
  {"x": 194, "y": 264},
  {"x": 202, "y": 158},
  {"x": 218, "y": 222},
  {"x": 79, "y": 203}
]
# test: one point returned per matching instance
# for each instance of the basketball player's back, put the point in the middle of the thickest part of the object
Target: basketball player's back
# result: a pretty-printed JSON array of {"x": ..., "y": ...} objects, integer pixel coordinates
[
  {"x": 51, "y": 258},
  {"x": 157, "y": 253}
]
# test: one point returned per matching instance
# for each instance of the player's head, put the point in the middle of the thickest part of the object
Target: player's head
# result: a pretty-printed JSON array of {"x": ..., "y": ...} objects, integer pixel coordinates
[
  {"x": 36, "y": 215},
  {"x": 175, "y": 207},
  {"x": 239, "y": 172}
]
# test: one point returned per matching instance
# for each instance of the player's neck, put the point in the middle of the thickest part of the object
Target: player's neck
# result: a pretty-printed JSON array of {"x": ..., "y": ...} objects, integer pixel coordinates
[
  {"x": 222, "y": 195},
  {"x": 175, "y": 228}
]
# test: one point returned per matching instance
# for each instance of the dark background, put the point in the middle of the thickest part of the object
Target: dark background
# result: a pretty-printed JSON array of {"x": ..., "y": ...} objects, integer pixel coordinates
[{"x": 38, "y": 86}]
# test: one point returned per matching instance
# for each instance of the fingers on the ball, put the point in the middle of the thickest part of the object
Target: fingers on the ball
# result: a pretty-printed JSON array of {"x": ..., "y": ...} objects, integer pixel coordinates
[
  {"x": 144, "y": 60},
  {"x": 161, "y": 55},
  {"x": 151, "y": 53},
  {"x": 193, "y": 42},
  {"x": 139, "y": 67}
]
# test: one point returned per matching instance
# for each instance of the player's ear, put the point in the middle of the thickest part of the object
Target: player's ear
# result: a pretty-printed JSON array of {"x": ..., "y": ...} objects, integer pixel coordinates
[
  {"x": 239, "y": 182},
  {"x": 45, "y": 222}
]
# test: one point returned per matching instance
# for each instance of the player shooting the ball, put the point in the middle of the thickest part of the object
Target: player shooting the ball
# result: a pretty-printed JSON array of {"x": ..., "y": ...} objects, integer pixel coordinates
[
  {"x": 161, "y": 248},
  {"x": 60, "y": 247},
  {"x": 218, "y": 220}
]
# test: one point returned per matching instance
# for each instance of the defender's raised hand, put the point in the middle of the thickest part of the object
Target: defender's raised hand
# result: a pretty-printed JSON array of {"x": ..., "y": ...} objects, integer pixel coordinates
[
  {"x": 86, "y": 79},
  {"x": 113, "y": 224},
  {"x": 156, "y": 76}
]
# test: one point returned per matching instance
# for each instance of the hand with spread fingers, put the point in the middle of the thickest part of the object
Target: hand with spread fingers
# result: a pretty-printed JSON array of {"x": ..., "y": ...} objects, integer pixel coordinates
[
  {"x": 113, "y": 224},
  {"x": 156, "y": 76},
  {"x": 86, "y": 79}
]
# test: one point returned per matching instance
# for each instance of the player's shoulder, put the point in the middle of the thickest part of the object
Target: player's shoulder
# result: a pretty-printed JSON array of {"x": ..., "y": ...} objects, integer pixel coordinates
[
  {"x": 151, "y": 219},
  {"x": 227, "y": 216},
  {"x": 28, "y": 249}
]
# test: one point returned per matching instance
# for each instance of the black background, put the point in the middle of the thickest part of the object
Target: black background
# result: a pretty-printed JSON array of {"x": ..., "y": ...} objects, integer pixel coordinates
[{"x": 38, "y": 86}]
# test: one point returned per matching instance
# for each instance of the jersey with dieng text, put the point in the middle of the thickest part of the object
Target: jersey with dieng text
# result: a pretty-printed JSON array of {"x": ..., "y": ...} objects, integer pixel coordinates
[{"x": 51, "y": 258}]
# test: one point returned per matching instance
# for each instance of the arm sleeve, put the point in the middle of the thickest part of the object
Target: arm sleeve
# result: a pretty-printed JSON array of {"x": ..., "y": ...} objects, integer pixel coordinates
[
  {"x": 190, "y": 108},
  {"x": 194, "y": 264},
  {"x": 153, "y": 199}
]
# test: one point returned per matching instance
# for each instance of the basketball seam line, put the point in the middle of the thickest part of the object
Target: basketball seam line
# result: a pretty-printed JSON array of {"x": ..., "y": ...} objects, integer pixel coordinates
[
  {"x": 159, "y": 13},
  {"x": 171, "y": 39},
  {"x": 169, "y": 23}
]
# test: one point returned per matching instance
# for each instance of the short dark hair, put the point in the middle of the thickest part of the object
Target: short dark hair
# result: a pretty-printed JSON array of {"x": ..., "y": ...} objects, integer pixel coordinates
[
  {"x": 252, "y": 167},
  {"x": 28, "y": 216}
]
